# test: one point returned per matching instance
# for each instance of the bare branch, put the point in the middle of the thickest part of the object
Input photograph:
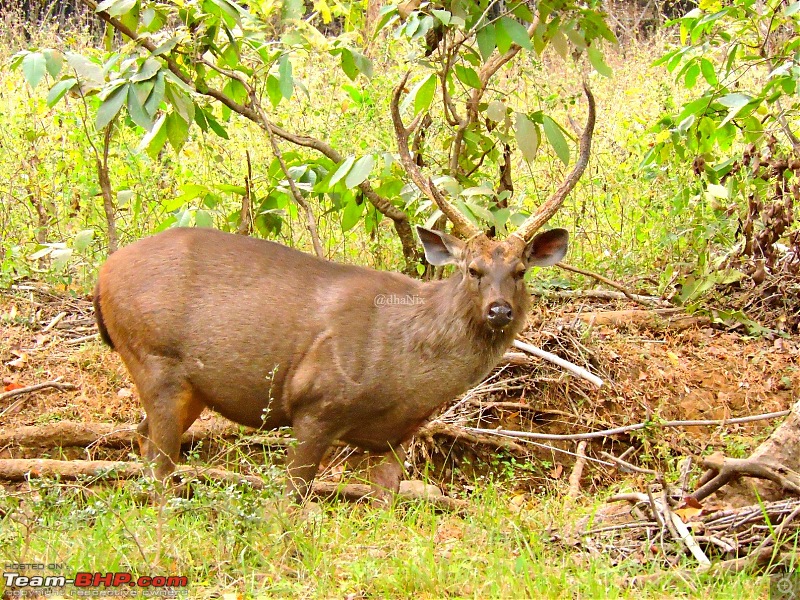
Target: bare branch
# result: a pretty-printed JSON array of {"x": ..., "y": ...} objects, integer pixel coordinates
[
  {"x": 398, "y": 217},
  {"x": 627, "y": 428}
]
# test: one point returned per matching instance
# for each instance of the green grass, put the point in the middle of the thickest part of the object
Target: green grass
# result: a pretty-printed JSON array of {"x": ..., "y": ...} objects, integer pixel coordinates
[{"x": 227, "y": 540}]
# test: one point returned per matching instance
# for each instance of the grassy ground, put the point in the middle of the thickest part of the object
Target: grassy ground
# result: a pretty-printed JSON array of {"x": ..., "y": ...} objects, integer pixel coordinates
[{"x": 232, "y": 541}]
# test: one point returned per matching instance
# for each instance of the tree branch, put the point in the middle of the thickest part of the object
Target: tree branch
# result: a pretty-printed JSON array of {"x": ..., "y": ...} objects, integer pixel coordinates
[{"x": 398, "y": 217}]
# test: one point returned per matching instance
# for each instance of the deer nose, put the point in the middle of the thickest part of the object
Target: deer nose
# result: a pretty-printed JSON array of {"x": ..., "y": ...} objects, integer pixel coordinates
[{"x": 500, "y": 315}]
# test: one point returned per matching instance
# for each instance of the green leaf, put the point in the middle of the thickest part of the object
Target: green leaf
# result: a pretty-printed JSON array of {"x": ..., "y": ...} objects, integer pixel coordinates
[
  {"x": 596, "y": 58},
  {"x": 496, "y": 111},
  {"x": 443, "y": 15},
  {"x": 154, "y": 141},
  {"x": 556, "y": 138},
  {"x": 116, "y": 8},
  {"x": 792, "y": 9},
  {"x": 707, "y": 68},
  {"x": 136, "y": 110},
  {"x": 156, "y": 96},
  {"x": 177, "y": 131},
  {"x": 274, "y": 90},
  {"x": 285, "y": 80},
  {"x": 735, "y": 103},
  {"x": 54, "y": 60},
  {"x": 203, "y": 218},
  {"x": 58, "y": 90},
  {"x": 560, "y": 43},
  {"x": 480, "y": 211},
  {"x": 86, "y": 70},
  {"x": 341, "y": 171},
  {"x": 717, "y": 191},
  {"x": 60, "y": 258},
  {"x": 166, "y": 46},
  {"x": 215, "y": 126},
  {"x": 148, "y": 70},
  {"x": 123, "y": 197},
  {"x": 352, "y": 214},
  {"x": 110, "y": 107},
  {"x": 691, "y": 75},
  {"x": 487, "y": 41},
  {"x": 504, "y": 40},
  {"x": 516, "y": 31},
  {"x": 527, "y": 136},
  {"x": 424, "y": 94},
  {"x": 83, "y": 239},
  {"x": 181, "y": 102},
  {"x": 292, "y": 9},
  {"x": 468, "y": 76},
  {"x": 735, "y": 100},
  {"x": 521, "y": 10},
  {"x": 363, "y": 64},
  {"x": 348, "y": 63},
  {"x": 34, "y": 66},
  {"x": 360, "y": 171}
]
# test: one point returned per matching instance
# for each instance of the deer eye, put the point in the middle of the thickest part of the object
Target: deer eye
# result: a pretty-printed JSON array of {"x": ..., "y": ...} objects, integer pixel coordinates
[
  {"x": 474, "y": 272},
  {"x": 519, "y": 274}
]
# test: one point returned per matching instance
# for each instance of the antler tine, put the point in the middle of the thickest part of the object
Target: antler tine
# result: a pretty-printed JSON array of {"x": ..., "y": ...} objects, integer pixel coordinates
[
  {"x": 463, "y": 226},
  {"x": 549, "y": 208}
]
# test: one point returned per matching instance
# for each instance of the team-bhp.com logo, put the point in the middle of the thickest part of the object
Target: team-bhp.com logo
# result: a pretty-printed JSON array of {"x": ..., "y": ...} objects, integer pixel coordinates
[{"x": 93, "y": 580}]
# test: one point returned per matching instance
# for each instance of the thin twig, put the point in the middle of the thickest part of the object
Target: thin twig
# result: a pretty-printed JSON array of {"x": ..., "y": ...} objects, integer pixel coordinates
[
  {"x": 81, "y": 339},
  {"x": 577, "y": 471},
  {"x": 627, "y": 428},
  {"x": 600, "y": 278},
  {"x": 54, "y": 322},
  {"x": 33, "y": 388},
  {"x": 624, "y": 466}
]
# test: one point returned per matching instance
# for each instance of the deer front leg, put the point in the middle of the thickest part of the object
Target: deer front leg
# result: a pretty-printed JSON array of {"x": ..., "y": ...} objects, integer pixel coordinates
[
  {"x": 304, "y": 457},
  {"x": 387, "y": 473}
]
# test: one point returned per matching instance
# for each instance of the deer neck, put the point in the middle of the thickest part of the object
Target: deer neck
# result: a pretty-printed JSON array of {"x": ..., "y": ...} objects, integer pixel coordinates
[{"x": 443, "y": 324}]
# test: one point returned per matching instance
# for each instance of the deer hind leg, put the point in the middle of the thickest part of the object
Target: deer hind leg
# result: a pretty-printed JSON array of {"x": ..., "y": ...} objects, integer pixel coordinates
[{"x": 171, "y": 407}]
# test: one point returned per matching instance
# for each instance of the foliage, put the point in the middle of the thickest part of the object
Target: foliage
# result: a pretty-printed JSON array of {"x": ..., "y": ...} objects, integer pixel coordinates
[
  {"x": 740, "y": 62},
  {"x": 197, "y": 63}
]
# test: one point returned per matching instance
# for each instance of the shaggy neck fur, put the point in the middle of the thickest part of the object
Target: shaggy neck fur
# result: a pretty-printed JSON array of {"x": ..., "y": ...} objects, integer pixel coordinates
[{"x": 446, "y": 324}]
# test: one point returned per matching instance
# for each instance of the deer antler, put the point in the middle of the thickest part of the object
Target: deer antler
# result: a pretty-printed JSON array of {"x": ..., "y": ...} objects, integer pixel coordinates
[
  {"x": 463, "y": 226},
  {"x": 549, "y": 208}
]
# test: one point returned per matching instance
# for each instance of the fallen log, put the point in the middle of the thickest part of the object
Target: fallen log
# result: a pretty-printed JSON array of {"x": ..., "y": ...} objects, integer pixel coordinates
[
  {"x": 657, "y": 318},
  {"x": 23, "y": 469},
  {"x": 73, "y": 433}
]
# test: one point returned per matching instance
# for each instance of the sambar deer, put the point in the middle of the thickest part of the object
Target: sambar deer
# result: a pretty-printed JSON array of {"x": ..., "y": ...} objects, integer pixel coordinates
[{"x": 269, "y": 336}]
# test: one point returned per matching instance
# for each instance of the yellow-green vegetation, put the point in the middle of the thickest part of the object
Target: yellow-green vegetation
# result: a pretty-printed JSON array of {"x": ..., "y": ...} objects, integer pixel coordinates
[
  {"x": 622, "y": 222},
  {"x": 641, "y": 208},
  {"x": 232, "y": 541}
]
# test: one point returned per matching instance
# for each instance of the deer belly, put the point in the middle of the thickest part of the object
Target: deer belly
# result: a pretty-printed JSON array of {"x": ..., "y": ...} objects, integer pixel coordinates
[{"x": 383, "y": 434}]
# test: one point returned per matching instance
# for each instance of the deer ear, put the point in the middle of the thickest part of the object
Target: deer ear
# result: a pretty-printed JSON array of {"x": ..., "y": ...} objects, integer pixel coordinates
[
  {"x": 440, "y": 248},
  {"x": 546, "y": 248}
]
